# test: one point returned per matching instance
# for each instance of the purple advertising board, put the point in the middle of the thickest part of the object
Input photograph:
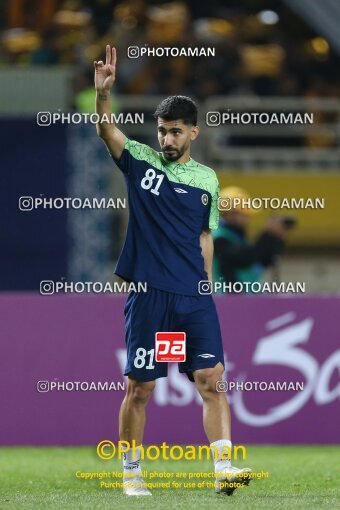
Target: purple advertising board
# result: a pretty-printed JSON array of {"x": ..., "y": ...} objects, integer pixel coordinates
[{"x": 56, "y": 349}]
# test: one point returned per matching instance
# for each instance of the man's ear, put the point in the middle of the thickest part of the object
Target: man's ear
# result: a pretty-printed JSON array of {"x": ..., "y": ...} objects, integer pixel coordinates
[{"x": 194, "y": 132}]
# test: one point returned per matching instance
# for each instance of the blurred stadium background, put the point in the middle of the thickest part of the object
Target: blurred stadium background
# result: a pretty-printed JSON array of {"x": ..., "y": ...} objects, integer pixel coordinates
[{"x": 271, "y": 56}]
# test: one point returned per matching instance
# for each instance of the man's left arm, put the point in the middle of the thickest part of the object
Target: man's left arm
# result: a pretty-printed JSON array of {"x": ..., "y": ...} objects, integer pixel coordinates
[{"x": 207, "y": 246}]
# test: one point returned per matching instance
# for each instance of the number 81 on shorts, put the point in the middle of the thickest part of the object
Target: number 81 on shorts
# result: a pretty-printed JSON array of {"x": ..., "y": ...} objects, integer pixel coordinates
[{"x": 169, "y": 347}]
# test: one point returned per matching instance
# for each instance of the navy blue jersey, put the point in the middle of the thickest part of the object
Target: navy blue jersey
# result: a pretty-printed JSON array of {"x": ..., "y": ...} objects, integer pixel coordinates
[{"x": 170, "y": 204}]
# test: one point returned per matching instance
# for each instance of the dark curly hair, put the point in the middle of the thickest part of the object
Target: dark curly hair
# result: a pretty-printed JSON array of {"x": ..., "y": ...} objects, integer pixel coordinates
[{"x": 177, "y": 108}]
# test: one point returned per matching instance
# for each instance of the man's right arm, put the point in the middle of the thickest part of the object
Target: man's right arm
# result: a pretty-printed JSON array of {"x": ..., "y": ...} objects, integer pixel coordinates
[{"x": 104, "y": 79}]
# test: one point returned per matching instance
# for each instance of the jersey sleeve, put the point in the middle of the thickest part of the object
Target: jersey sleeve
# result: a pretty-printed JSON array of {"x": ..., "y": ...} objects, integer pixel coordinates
[
  {"x": 214, "y": 212},
  {"x": 133, "y": 153}
]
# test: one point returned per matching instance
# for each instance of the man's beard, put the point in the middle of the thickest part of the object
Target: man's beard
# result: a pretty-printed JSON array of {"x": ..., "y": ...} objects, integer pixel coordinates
[{"x": 174, "y": 155}]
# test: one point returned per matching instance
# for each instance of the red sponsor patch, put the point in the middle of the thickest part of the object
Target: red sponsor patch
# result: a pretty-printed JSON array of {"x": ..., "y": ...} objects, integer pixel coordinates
[{"x": 170, "y": 346}]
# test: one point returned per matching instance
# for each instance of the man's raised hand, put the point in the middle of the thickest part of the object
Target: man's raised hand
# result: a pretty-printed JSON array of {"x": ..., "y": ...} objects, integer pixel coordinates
[{"x": 105, "y": 74}]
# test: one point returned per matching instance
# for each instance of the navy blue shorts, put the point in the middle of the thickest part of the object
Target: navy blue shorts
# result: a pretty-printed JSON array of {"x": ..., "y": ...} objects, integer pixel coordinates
[{"x": 158, "y": 310}]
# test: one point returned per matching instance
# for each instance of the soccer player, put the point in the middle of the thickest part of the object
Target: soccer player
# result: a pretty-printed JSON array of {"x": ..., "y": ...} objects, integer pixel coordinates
[{"x": 173, "y": 207}]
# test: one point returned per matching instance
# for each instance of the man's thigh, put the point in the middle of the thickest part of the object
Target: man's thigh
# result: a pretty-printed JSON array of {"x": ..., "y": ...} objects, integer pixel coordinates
[
  {"x": 145, "y": 315},
  {"x": 198, "y": 318}
]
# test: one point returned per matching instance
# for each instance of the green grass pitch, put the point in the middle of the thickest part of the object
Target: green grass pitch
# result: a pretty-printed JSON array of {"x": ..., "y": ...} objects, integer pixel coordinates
[{"x": 300, "y": 477}]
